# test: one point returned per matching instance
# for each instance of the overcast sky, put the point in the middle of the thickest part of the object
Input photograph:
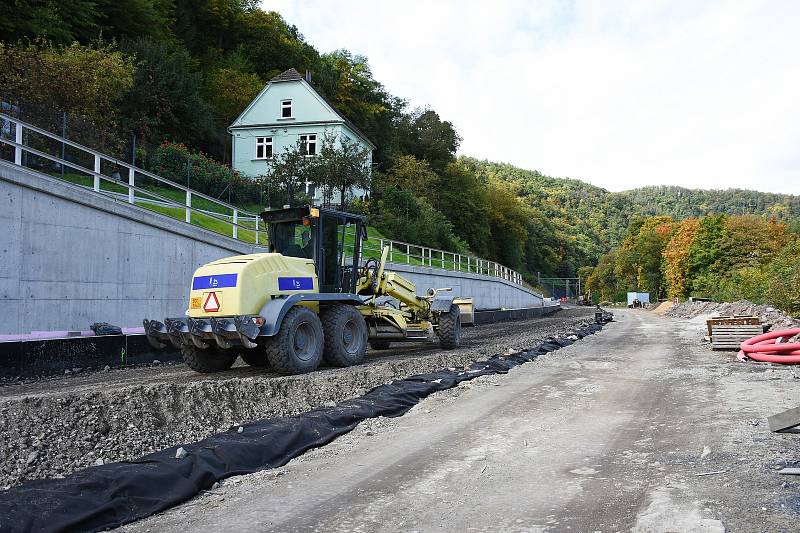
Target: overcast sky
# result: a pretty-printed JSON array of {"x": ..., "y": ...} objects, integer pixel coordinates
[{"x": 619, "y": 94}]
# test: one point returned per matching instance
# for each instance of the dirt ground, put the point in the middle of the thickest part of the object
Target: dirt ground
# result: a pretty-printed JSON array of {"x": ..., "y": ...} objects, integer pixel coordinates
[
  {"x": 638, "y": 428},
  {"x": 57, "y": 426}
]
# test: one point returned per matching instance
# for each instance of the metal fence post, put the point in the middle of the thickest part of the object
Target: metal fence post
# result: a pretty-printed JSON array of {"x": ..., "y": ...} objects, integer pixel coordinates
[
  {"x": 408, "y": 254},
  {"x": 235, "y": 223},
  {"x": 256, "y": 229},
  {"x": 131, "y": 178},
  {"x": 391, "y": 251},
  {"x": 18, "y": 140},
  {"x": 189, "y": 206},
  {"x": 96, "y": 172}
]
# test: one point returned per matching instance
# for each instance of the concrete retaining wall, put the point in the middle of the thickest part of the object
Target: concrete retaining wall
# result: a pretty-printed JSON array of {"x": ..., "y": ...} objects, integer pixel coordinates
[
  {"x": 69, "y": 258},
  {"x": 489, "y": 292}
]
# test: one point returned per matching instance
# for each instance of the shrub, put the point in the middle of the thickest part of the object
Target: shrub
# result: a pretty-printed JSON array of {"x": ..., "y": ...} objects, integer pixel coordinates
[{"x": 204, "y": 174}]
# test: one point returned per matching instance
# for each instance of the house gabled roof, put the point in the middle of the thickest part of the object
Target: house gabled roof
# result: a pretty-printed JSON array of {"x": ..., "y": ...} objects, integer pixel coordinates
[
  {"x": 288, "y": 75},
  {"x": 293, "y": 75}
]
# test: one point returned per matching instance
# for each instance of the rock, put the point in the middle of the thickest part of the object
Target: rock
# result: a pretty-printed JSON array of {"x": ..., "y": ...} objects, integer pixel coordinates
[
  {"x": 106, "y": 368},
  {"x": 329, "y": 404},
  {"x": 31, "y": 458},
  {"x": 180, "y": 453},
  {"x": 156, "y": 362},
  {"x": 240, "y": 429},
  {"x": 67, "y": 372},
  {"x": 99, "y": 461}
]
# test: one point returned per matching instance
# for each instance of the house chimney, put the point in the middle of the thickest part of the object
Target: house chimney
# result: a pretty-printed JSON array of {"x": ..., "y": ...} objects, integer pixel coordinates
[{"x": 308, "y": 76}]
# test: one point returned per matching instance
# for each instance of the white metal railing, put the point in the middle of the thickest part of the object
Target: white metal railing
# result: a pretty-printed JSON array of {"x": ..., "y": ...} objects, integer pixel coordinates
[
  {"x": 243, "y": 225},
  {"x": 217, "y": 216},
  {"x": 414, "y": 254}
]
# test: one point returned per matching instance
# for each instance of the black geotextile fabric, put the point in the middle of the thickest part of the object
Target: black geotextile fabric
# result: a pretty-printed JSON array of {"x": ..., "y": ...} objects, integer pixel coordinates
[{"x": 107, "y": 496}]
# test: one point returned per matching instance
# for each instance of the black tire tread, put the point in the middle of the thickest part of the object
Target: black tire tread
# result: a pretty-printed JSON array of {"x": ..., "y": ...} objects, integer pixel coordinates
[
  {"x": 208, "y": 360},
  {"x": 449, "y": 325},
  {"x": 254, "y": 357},
  {"x": 277, "y": 346},
  {"x": 332, "y": 318}
]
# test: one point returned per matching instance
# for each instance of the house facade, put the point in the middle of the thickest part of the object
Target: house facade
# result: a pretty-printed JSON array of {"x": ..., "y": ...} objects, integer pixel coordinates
[{"x": 286, "y": 112}]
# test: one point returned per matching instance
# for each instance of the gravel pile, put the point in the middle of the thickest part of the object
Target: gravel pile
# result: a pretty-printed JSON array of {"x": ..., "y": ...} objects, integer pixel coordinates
[
  {"x": 766, "y": 313},
  {"x": 52, "y": 433}
]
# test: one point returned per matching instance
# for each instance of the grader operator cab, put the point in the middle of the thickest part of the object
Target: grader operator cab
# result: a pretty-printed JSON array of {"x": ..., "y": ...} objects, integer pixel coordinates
[{"x": 309, "y": 298}]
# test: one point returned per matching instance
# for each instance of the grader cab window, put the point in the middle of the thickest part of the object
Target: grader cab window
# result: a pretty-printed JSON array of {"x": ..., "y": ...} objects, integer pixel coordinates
[
  {"x": 333, "y": 251},
  {"x": 294, "y": 239}
]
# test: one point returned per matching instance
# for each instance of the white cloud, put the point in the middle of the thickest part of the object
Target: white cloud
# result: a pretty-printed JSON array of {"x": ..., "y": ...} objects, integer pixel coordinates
[{"x": 620, "y": 94}]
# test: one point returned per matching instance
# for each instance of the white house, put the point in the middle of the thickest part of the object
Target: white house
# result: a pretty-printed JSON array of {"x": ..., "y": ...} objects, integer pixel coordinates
[{"x": 287, "y": 111}]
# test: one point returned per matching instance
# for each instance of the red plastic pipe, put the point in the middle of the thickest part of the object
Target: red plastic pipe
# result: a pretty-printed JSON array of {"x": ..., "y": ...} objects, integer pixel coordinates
[{"x": 763, "y": 348}]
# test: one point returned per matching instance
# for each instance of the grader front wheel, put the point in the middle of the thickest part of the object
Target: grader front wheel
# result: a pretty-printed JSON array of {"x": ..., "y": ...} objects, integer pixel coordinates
[
  {"x": 450, "y": 328},
  {"x": 297, "y": 347},
  {"x": 207, "y": 360}
]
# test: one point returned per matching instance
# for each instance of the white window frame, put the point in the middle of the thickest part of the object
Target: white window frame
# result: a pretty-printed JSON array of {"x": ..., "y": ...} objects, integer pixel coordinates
[
  {"x": 308, "y": 139},
  {"x": 287, "y": 104},
  {"x": 263, "y": 143}
]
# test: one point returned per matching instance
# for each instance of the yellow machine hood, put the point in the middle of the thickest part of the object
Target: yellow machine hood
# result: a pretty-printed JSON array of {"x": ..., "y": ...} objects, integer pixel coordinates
[{"x": 241, "y": 285}]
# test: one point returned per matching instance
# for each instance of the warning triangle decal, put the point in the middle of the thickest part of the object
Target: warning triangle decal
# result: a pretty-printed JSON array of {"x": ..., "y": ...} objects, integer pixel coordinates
[{"x": 212, "y": 303}]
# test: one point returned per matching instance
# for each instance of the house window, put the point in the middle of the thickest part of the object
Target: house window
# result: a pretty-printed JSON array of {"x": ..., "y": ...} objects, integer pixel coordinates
[
  {"x": 263, "y": 147},
  {"x": 286, "y": 109},
  {"x": 308, "y": 144}
]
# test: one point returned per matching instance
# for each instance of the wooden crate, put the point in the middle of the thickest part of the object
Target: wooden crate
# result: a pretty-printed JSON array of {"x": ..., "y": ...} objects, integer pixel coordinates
[{"x": 730, "y": 336}]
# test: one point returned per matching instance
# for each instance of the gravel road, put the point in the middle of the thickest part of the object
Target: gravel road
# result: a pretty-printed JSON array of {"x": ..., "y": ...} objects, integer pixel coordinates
[
  {"x": 57, "y": 426},
  {"x": 638, "y": 428}
]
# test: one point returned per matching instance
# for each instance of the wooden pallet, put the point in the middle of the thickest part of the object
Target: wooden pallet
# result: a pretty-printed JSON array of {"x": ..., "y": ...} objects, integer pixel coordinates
[
  {"x": 731, "y": 321},
  {"x": 729, "y": 337}
]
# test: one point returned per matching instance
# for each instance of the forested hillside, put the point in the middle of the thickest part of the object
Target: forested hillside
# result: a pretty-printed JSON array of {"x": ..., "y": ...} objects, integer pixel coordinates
[
  {"x": 721, "y": 256},
  {"x": 590, "y": 221},
  {"x": 169, "y": 76}
]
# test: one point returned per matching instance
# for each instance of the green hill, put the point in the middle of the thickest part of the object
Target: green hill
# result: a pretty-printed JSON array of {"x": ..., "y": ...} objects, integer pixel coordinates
[{"x": 593, "y": 220}]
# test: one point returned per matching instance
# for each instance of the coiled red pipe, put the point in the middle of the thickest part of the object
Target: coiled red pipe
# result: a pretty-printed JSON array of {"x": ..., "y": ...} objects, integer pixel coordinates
[{"x": 763, "y": 348}]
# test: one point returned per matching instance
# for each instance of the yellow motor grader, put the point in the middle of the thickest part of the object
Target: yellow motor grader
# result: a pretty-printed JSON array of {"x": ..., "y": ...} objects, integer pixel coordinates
[{"x": 310, "y": 298}]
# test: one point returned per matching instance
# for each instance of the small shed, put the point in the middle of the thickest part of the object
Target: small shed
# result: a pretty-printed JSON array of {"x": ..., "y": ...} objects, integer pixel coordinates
[{"x": 643, "y": 297}]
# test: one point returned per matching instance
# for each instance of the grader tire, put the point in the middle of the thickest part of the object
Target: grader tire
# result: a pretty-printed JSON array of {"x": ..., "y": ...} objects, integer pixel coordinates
[
  {"x": 297, "y": 347},
  {"x": 208, "y": 360},
  {"x": 254, "y": 357},
  {"x": 450, "y": 328},
  {"x": 380, "y": 345},
  {"x": 345, "y": 335}
]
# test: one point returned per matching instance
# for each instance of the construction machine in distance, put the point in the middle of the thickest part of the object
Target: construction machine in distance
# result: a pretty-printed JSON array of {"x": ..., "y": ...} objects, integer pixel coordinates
[{"x": 305, "y": 301}]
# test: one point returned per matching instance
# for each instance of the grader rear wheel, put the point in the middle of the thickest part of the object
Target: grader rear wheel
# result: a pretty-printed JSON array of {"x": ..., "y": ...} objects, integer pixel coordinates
[{"x": 345, "y": 335}]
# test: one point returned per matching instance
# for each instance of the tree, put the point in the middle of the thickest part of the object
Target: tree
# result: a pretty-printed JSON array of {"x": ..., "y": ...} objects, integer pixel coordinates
[
  {"x": 290, "y": 169},
  {"x": 62, "y": 22},
  {"x": 87, "y": 83},
  {"x": 676, "y": 258},
  {"x": 166, "y": 100},
  {"x": 426, "y": 136},
  {"x": 461, "y": 197},
  {"x": 340, "y": 165}
]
